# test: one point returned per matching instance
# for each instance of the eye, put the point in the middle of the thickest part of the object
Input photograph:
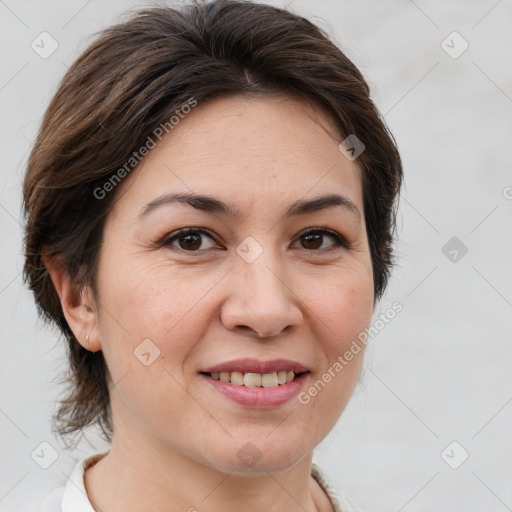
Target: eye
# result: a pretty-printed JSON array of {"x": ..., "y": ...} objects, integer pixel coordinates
[
  {"x": 189, "y": 239},
  {"x": 312, "y": 239}
]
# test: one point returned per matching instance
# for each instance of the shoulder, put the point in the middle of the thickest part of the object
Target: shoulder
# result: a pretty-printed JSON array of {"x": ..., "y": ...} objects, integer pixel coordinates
[
  {"x": 341, "y": 501},
  {"x": 72, "y": 496}
]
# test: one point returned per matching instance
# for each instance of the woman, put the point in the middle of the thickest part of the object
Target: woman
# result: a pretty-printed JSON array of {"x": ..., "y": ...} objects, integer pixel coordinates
[{"x": 210, "y": 210}]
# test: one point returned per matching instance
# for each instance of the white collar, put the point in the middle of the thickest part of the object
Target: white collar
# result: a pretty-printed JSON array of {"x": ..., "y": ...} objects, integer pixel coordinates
[{"x": 75, "y": 496}]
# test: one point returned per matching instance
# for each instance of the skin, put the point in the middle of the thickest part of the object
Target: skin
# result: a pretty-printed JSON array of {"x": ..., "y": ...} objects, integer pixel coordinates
[{"x": 175, "y": 438}]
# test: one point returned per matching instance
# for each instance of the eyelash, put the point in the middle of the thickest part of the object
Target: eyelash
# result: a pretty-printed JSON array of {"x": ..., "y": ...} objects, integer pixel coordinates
[{"x": 340, "y": 242}]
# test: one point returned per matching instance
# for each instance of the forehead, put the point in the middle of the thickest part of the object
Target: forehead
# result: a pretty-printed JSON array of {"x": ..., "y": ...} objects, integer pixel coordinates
[{"x": 255, "y": 152}]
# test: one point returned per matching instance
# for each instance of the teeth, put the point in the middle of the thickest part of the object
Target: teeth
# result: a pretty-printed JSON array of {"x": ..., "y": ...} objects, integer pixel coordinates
[
  {"x": 252, "y": 380},
  {"x": 269, "y": 380},
  {"x": 255, "y": 380},
  {"x": 237, "y": 378}
]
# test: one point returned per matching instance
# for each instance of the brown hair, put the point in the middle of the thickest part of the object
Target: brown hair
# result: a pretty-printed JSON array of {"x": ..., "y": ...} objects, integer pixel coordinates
[{"x": 129, "y": 81}]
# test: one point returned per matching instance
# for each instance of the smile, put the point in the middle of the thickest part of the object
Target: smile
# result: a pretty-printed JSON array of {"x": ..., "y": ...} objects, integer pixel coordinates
[
  {"x": 256, "y": 396},
  {"x": 255, "y": 380}
]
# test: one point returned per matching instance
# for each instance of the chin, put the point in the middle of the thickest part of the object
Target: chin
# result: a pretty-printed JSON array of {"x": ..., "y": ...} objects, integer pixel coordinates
[{"x": 260, "y": 457}]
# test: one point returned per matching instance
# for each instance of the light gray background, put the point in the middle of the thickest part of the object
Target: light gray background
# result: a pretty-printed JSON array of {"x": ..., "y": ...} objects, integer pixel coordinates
[{"x": 441, "y": 370}]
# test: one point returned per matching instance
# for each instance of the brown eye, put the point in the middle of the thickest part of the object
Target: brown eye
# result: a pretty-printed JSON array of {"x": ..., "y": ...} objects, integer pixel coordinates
[
  {"x": 313, "y": 239},
  {"x": 189, "y": 240}
]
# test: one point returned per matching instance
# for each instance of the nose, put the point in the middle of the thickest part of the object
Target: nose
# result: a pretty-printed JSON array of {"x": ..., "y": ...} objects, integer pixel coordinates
[{"x": 261, "y": 298}]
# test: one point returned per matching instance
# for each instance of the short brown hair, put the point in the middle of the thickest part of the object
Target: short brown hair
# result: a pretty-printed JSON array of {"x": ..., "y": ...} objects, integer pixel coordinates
[{"x": 129, "y": 81}]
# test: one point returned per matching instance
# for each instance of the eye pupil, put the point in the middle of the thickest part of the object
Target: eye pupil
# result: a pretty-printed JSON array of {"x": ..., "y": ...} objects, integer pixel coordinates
[
  {"x": 308, "y": 238},
  {"x": 197, "y": 238}
]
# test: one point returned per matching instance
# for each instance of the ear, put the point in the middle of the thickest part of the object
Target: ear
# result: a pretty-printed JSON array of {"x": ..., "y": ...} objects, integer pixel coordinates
[{"x": 77, "y": 304}]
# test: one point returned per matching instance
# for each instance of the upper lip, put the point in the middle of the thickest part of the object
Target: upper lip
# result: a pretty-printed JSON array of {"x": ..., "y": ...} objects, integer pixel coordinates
[{"x": 249, "y": 365}]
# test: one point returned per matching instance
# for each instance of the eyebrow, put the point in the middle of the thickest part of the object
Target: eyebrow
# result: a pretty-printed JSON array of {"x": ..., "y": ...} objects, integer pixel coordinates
[{"x": 213, "y": 205}]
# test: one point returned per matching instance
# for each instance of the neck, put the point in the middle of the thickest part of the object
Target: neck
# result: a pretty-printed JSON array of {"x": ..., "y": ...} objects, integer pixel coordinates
[{"x": 143, "y": 475}]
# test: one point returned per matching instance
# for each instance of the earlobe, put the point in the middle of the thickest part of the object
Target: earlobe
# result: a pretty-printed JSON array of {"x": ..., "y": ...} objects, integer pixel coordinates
[{"x": 77, "y": 305}]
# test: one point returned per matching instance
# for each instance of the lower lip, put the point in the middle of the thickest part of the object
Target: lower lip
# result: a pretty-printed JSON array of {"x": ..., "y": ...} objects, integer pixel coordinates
[{"x": 259, "y": 397}]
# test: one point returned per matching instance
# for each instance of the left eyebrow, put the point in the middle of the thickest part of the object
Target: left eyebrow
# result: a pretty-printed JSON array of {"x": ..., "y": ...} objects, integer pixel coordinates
[{"x": 213, "y": 205}]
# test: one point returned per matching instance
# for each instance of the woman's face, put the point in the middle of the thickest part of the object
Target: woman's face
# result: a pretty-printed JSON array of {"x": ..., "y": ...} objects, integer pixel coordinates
[{"x": 256, "y": 287}]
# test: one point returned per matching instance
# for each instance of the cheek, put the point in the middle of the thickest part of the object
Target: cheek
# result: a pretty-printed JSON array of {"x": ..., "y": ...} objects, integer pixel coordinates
[
  {"x": 152, "y": 302},
  {"x": 341, "y": 306},
  {"x": 148, "y": 328},
  {"x": 340, "y": 309}
]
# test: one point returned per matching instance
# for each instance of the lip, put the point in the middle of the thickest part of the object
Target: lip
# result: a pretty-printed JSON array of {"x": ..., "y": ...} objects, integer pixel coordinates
[
  {"x": 258, "y": 397},
  {"x": 251, "y": 365}
]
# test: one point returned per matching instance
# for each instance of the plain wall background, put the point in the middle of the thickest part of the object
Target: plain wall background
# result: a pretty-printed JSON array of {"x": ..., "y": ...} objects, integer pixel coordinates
[{"x": 441, "y": 370}]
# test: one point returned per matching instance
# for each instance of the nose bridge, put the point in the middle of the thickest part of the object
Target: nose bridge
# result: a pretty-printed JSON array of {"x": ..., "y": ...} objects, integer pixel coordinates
[
  {"x": 261, "y": 270},
  {"x": 260, "y": 298}
]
